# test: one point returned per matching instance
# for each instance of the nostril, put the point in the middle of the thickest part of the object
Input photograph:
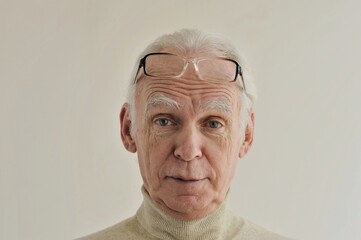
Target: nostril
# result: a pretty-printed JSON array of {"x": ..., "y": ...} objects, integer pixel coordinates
[
  {"x": 188, "y": 144},
  {"x": 187, "y": 157}
]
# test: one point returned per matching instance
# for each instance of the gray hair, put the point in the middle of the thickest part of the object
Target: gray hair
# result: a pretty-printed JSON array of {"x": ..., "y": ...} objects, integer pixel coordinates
[{"x": 196, "y": 41}]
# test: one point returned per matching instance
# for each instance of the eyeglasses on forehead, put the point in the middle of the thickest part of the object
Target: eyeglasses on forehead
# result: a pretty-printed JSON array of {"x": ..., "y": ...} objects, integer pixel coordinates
[{"x": 167, "y": 65}]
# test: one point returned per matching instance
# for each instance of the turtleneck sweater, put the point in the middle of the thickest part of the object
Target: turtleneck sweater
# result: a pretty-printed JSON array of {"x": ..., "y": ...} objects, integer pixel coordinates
[{"x": 152, "y": 223}]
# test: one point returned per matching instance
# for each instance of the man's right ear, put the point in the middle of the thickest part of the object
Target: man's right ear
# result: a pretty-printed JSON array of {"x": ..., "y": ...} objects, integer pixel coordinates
[{"x": 125, "y": 129}]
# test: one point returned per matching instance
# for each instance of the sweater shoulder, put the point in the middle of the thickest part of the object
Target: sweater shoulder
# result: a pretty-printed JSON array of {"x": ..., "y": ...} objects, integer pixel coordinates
[
  {"x": 127, "y": 229},
  {"x": 252, "y": 231}
]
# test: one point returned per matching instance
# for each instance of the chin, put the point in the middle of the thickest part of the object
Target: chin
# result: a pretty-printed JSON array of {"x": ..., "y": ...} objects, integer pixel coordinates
[{"x": 188, "y": 207}]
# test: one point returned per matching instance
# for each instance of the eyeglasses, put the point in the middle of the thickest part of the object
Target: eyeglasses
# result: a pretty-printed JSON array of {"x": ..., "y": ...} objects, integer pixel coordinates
[{"x": 167, "y": 65}]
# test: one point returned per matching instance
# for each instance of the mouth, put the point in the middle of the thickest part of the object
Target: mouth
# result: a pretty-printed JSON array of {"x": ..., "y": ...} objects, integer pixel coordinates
[{"x": 186, "y": 180}]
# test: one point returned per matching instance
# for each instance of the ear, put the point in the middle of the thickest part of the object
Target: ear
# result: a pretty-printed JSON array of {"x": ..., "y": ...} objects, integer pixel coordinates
[
  {"x": 248, "y": 138},
  {"x": 125, "y": 126}
]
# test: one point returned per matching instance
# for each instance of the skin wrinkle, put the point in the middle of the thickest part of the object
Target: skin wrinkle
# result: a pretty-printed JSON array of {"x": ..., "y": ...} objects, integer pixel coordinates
[
  {"x": 158, "y": 100},
  {"x": 188, "y": 167},
  {"x": 179, "y": 88},
  {"x": 220, "y": 104},
  {"x": 198, "y": 45},
  {"x": 194, "y": 86},
  {"x": 190, "y": 73},
  {"x": 207, "y": 154},
  {"x": 162, "y": 87},
  {"x": 215, "y": 105}
]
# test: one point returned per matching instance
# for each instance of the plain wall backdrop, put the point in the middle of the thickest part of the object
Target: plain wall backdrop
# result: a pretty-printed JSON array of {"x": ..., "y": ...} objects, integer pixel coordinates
[{"x": 65, "y": 67}]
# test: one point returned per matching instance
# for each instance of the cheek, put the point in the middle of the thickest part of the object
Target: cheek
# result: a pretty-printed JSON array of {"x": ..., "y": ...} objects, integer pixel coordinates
[
  {"x": 223, "y": 156},
  {"x": 153, "y": 152},
  {"x": 223, "y": 147}
]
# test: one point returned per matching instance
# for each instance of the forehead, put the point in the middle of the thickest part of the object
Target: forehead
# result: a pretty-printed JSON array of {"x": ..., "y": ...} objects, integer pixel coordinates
[
  {"x": 186, "y": 91},
  {"x": 189, "y": 86}
]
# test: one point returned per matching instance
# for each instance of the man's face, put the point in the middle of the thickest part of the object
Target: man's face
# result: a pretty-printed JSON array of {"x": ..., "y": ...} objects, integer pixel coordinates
[{"x": 188, "y": 139}]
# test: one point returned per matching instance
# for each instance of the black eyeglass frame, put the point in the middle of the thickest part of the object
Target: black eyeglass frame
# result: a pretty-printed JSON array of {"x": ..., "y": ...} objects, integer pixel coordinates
[{"x": 142, "y": 63}]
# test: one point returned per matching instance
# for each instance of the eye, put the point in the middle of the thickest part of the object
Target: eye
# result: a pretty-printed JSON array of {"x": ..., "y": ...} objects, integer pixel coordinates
[
  {"x": 214, "y": 124},
  {"x": 162, "y": 122}
]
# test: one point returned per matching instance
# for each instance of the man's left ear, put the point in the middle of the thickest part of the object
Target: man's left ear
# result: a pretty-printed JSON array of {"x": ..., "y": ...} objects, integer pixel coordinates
[{"x": 248, "y": 138}]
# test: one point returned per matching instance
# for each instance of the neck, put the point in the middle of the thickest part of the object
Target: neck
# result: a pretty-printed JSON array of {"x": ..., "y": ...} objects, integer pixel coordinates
[
  {"x": 190, "y": 214},
  {"x": 165, "y": 226}
]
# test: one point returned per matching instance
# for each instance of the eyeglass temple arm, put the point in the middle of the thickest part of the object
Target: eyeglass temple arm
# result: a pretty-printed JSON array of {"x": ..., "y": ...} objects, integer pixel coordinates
[
  {"x": 141, "y": 64},
  {"x": 241, "y": 74}
]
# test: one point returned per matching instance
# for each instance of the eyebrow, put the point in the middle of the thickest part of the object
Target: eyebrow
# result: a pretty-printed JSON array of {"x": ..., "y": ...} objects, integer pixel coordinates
[
  {"x": 158, "y": 100},
  {"x": 162, "y": 101},
  {"x": 217, "y": 104}
]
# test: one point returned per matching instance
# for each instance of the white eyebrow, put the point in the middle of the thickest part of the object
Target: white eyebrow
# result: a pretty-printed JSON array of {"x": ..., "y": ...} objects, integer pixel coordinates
[
  {"x": 162, "y": 101},
  {"x": 218, "y": 104}
]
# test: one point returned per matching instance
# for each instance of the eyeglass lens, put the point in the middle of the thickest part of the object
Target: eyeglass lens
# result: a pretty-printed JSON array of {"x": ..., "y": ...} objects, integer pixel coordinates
[{"x": 164, "y": 65}]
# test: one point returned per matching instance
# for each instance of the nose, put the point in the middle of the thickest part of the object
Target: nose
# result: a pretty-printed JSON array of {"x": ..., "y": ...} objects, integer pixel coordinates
[{"x": 188, "y": 144}]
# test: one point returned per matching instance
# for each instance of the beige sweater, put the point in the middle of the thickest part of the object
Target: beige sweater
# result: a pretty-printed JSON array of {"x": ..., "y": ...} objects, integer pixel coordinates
[{"x": 152, "y": 223}]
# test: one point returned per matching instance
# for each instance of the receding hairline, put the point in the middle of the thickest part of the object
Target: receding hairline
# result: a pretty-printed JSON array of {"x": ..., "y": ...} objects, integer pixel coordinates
[
  {"x": 187, "y": 41},
  {"x": 194, "y": 40}
]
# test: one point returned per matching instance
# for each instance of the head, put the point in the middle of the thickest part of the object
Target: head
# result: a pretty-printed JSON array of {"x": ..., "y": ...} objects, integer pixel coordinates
[{"x": 188, "y": 132}]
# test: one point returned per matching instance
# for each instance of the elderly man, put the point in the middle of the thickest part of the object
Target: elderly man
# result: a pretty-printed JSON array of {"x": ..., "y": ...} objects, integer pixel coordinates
[{"x": 189, "y": 118}]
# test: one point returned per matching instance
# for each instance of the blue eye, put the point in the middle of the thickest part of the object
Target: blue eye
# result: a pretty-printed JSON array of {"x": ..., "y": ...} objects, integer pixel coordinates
[
  {"x": 214, "y": 124},
  {"x": 162, "y": 122}
]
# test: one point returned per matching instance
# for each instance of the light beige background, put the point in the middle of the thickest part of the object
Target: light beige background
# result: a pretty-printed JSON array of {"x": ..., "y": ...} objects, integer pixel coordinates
[{"x": 64, "y": 70}]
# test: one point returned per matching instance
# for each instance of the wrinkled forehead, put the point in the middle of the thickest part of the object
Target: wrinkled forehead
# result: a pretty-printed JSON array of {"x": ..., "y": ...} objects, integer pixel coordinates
[
  {"x": 177, "y": 93},
  {"x": 164, "y": 101},
  {"x": 189, "y": 86}
]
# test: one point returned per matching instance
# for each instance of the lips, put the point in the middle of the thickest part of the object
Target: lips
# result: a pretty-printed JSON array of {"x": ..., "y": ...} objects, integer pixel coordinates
[{"x": 186, "y": 179}]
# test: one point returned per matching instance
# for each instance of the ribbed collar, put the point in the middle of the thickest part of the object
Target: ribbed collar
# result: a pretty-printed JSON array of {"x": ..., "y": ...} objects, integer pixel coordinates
[{"x": 163, "y": 226}]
